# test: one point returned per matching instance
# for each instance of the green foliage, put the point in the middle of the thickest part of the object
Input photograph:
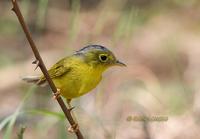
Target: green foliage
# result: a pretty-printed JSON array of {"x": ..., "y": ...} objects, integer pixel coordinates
[{"x": 10, "y": 121}]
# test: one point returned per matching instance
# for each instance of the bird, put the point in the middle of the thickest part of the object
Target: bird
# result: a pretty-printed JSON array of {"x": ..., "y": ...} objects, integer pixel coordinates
[{"x": 79, "y": 73}]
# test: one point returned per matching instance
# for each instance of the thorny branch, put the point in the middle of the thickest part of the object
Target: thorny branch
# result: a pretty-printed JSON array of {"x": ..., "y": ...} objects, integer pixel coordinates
[{"x": 40, "y": 63}]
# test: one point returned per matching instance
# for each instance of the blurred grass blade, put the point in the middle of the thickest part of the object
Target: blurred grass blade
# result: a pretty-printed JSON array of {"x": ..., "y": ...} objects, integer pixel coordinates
[
  {"x": 48, "y": 113},
  {"x": 5, "y": 121},
  {"x": 126, "y": 22},
  {"x": 74, "y": 20},
  {"x": 16, "y": 113},
  {"x": 42, "y": 13}
]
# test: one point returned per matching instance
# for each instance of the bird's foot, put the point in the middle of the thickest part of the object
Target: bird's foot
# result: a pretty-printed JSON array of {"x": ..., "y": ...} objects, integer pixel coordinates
[
  {"x": 57, "y": 94},
  {"x": 73, "y": 128}
]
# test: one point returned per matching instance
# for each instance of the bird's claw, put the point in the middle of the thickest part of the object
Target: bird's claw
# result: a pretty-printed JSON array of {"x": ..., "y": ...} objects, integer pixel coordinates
[
  {"x": 73, "y": 128},
  {"x": 57, "y": 94}
]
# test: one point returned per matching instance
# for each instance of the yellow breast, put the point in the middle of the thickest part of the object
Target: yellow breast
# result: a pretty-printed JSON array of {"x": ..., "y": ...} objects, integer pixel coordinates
[
  {"x": 79, "y": 81},
  {"x": 90, "y": 77}
]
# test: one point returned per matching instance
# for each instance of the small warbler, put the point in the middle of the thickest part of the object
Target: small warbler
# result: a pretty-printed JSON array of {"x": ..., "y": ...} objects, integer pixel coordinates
[{"x": 79, "y": 73}]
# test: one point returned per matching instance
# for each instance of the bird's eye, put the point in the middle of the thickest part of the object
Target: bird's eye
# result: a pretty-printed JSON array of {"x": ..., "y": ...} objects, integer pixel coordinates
[{"x": 103, "y": 57}]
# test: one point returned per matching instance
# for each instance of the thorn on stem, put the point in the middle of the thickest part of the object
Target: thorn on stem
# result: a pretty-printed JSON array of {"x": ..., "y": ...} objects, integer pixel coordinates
[
  {"x": 13, "y": 9},
  {"x": 37, "y": 62},
  {"x": 14, "y": 3},
  {"x": 70, "y": 109}
]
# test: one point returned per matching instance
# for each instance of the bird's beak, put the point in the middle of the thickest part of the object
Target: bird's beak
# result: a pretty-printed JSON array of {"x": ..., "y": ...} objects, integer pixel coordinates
[{"x": 119, "y": 63}]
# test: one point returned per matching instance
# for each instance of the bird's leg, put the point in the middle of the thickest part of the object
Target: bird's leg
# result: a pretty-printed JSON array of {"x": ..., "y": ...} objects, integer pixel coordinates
[
  {"x": 69, "y": 103},
  {"x": 57, "y": 94},
  {"x": 73, "y": 128}
]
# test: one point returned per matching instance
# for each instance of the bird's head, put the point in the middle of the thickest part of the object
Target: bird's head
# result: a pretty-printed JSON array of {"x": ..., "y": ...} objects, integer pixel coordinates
[{"x": 99, "y": 57}]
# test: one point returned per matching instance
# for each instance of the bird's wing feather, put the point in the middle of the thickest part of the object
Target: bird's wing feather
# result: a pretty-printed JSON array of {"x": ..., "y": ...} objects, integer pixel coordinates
[{"x": 59, "y": 69}]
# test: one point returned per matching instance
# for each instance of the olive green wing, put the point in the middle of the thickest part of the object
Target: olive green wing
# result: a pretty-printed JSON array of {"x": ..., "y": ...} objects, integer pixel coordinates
[{"x": 59, "y": 69}]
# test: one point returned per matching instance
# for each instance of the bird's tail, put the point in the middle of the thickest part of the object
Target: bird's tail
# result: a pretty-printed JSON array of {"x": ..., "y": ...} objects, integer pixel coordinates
[{"x": 35, "y": 80}]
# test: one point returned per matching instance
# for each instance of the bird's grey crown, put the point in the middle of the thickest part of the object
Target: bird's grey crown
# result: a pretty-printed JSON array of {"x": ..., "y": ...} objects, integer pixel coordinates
[{"x": 90, "y": 47}]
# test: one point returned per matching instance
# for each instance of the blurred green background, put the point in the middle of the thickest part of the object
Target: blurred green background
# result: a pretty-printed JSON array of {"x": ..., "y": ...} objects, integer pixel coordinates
[{"x": 158, "y": 40}]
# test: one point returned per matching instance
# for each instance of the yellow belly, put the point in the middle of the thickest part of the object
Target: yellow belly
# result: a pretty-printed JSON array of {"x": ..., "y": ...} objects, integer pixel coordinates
[{"x": 78, "y": 81}]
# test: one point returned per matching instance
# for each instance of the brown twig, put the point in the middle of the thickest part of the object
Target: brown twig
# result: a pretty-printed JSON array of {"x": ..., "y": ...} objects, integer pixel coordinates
[
  {"x": 21, "y": 132},
  {"x": 40, "y": 63}
]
